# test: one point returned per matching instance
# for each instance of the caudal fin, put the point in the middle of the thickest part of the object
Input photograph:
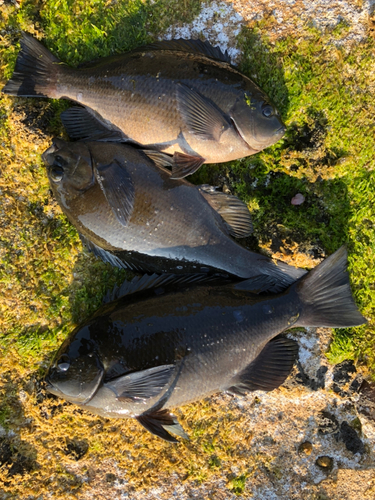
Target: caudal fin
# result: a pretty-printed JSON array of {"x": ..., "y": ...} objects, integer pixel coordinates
[
  {"x": 36, "y": 71},
  {"x": 326, "y": 296}
]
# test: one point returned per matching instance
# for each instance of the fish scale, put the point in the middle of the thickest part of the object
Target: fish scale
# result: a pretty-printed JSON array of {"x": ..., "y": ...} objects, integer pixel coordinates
[
  {"x": 172, "y": 225},
  {"x": 165, "y": 343},
  {"x": 176, "y": 96}
]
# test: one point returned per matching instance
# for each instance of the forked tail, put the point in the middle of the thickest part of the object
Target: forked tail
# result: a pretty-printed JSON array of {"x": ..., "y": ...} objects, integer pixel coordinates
[
  {"x": 36, "y": 72},
  {"x": 326, "y": 296}
]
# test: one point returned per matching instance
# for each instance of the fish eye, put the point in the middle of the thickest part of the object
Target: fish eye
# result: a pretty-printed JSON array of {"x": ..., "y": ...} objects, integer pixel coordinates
[
  {"x": 63, "y": 363},
  {"x": 267, "y": 111},
  {"x": 56, "y": 173}
]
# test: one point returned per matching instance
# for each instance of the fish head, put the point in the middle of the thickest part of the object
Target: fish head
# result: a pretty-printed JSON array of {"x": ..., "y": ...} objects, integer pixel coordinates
[
  {"x": 69, "y": 166},
  {"x": 76, "y": 372},
  {"x": 257, "y": 121}
]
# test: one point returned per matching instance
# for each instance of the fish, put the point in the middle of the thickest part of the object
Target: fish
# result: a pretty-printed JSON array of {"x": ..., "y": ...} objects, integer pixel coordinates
[
  {"x": 165, "y": 341},
  {"x": 181, "y": 97},
  {"x": 130, "y": 213}
]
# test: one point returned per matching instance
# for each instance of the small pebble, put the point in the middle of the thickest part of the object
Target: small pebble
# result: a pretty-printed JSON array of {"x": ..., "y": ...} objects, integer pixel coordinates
[
  {"x": 325, "y": 463},
  {"x": 298, "y": 199},
  {"x": 305, "y": 448}
]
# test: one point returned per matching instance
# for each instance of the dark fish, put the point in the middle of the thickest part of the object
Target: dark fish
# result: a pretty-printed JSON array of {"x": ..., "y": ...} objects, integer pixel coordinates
[
  {"x": 181, "y": 97},
  {"x": 131, "y": 214},
  {"x": 161, "y": 345}
]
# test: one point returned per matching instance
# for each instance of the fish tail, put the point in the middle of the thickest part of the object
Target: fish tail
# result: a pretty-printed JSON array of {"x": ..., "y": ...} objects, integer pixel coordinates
[
  {"x": 326, "y": 296},
  {"x": 36, "y": 72}
]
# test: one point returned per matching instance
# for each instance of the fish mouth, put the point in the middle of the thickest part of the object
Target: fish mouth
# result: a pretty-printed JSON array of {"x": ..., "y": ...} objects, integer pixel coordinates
[
  {"x": 57, "y": 144},
  {"x": 280, "y": 131},
  {"x": 49, "y": 387},
  {"x": 52, "y": 149}
]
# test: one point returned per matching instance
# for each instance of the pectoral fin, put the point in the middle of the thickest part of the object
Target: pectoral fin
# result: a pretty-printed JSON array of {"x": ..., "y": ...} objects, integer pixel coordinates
[
  {"x": 145, "y": 384},
  {"x": 202, "y": 118},
  {"x": 234, "y": 211},
  {"x": 269, "y": 370},
  {"x": 160, "y": 422},
  {"x": 117, "y": 186}
]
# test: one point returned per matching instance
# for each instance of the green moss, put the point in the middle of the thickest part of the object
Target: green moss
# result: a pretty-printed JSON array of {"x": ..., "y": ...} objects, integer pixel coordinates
[
  {"x": 325, "y": 97},
  {"x": 237, "y": 484},
  {"x": 50, "y": 284}
]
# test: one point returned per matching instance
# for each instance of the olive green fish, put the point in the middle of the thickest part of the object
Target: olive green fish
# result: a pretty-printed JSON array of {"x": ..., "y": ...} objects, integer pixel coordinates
[{"x": 182, "y": 97}]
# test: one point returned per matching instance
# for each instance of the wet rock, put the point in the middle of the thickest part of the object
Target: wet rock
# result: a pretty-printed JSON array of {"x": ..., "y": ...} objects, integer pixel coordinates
[
  {"x": 325, "y": 463},
  {"x": 343, "y": 372},
  {"x": 9, "y": 455},
  {"x": 351, "y": 439},
  {"x": 305, "y": 448},
  {"x": 76, "y": 448},
  {"x": 327, "y": 423},
  {"x": 366, "y": 402},
  {"x": 342, "y": 375},
  {"x": 313, "y": 383}
]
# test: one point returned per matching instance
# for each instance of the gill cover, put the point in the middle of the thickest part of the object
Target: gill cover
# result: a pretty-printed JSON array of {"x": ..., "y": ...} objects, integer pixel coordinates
[
  {"x": 77, "y": 371},
  {"x": 257, "y": 121},
  {"x": 69, "y": 166}
]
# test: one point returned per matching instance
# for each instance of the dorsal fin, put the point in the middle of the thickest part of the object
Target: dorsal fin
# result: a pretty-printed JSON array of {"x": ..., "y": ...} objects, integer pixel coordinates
[
  {"x": 269, "y": 370},
  {"x": 158, "y": 283},
  {"x": 234, "y": 212},
  {"x": 191, "y": 46},
  {"x": 106, "y": 257}
]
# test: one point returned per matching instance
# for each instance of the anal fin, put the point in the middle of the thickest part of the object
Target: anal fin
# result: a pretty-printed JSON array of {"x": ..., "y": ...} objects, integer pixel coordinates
[
  {"x": 160, "y": 159},
  {"x": 184, "y": 165},
  {"x": 160, "y": 422},
  {"x": 270, "y": 368}
]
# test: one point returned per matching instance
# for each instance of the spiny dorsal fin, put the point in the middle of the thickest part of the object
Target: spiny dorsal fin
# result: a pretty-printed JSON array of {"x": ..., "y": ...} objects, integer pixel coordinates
[
  {"x": 269, "y": 370},
  {"x": 233, "y": 211},
  {"x": 191, "y": 46},
  {"x": 159, "y": 283},
  {"x": 106, "y": 256}
]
